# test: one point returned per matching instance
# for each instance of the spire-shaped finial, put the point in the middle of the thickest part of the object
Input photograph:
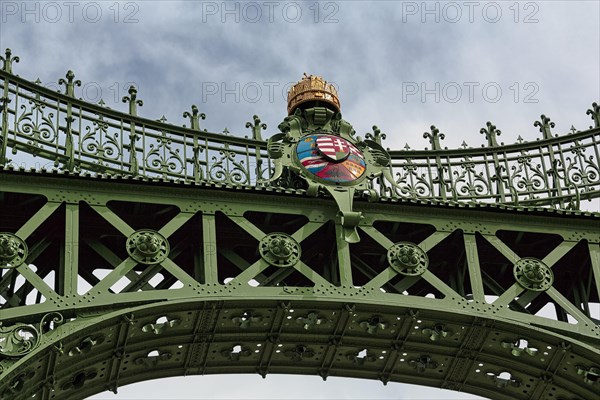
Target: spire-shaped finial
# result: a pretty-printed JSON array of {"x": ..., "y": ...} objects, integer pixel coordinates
[
  {"x": 594, "y": 112},
  {"x": 256, "y": 127},
  {"x": 490, "y": 133},
  {"x": 194, "y": 117},
  {"x": 132, "y": 100},
  {"x": 8, "y": 60},
  {"x": 434, "y": 137},
  {"x": 545, "y": 124},
  {"x": 70, "y": 83}
]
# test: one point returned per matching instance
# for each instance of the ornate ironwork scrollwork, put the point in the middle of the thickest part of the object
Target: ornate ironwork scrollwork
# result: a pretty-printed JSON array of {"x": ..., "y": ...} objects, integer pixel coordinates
[
  {"x": 98, "y": 143},
  {"x": 164, "y": 157},
  {"x": 554, "y": 171},
  {"x": 37, "y": 125},
  {"x": 20, "y": 339},
  {"x": 227, "y": 169}
]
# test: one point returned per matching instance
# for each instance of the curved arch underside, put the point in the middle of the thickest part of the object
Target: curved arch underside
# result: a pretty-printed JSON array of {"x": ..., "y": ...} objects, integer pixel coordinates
[
  {"x": 121, "y": 281},
  {"x": 275, "y": 336}
]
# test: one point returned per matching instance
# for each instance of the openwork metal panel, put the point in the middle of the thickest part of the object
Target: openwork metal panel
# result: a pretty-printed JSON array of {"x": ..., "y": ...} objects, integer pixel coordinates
[
  {"x": 73, "y": 135},
  {"x": 557, "y": 170},
  {"x": 145, "y": 250}
]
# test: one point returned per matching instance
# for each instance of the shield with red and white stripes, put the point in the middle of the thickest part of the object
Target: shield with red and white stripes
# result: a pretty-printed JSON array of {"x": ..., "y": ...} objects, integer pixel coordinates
[{"x": 333, "y": 148}]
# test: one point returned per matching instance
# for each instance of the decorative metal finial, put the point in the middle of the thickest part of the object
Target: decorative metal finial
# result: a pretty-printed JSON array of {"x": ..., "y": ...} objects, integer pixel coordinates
[
  {"x": 70, "y": 83},
  {"x": 594, "y": 112},
  {"x": 490, "y": 133},
  {"x": 377, "y": 136},
  {"x": 8, "y": 60},
  {"x": 194, "y": 117},
  {"x": 545, "y": 124},
  {"x": 434, "y": 137},
  {"x": 132, "y": 100},
  {"x": 256, "y": 127}
]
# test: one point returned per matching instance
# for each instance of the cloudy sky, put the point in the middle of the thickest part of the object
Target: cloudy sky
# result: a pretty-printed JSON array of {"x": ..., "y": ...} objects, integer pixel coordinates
[{"x": 401, "y": 65}]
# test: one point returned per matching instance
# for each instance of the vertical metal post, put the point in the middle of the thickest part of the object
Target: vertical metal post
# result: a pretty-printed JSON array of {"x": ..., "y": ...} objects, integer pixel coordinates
[
  {"x": 209, "y": 241},
  {"x": 69, "y": 254},
  {"x": 474, "y": 267},
  {"x": 343, "y": 256},
  {"x": 133, "y": 103}
]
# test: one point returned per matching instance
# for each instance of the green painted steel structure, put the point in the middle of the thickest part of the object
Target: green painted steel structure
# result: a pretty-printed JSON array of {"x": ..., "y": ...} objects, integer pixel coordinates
[{"x": 145, "y": 250}]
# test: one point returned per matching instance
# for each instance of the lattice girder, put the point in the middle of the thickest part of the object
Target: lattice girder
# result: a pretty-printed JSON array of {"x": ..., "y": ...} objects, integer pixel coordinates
[{"x": 339, "y": 310}]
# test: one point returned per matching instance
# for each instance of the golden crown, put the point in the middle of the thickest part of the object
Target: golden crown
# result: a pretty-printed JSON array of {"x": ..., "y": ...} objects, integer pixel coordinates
[{"x": 312, "y": 88}]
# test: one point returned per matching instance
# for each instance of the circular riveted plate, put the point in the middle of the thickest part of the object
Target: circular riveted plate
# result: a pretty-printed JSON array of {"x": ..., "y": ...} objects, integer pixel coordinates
[
  {"x": 147, "y": 246},
  {"x": 408, "y": 258},
  {"x": 533, "y": 274},
  {"x": 13, "y": 250},
  {"x": 280, "y": 249}
]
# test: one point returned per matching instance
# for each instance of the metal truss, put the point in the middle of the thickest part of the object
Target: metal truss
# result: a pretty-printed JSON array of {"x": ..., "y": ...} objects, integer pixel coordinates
[
  {"x": 106, "y": 282},
  {"x": 144, "y": 250}
]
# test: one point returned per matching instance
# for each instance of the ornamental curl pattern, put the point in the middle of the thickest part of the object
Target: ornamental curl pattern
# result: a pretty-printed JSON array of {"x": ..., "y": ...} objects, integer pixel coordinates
[
  {"x": 101, "y": 144},
  {"x": 73, "y": 135},
  {"x": 20, "y": 339}
]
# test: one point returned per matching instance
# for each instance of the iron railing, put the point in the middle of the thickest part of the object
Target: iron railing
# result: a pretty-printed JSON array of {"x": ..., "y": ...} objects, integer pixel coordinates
[{"x": 73, "y": 135}]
